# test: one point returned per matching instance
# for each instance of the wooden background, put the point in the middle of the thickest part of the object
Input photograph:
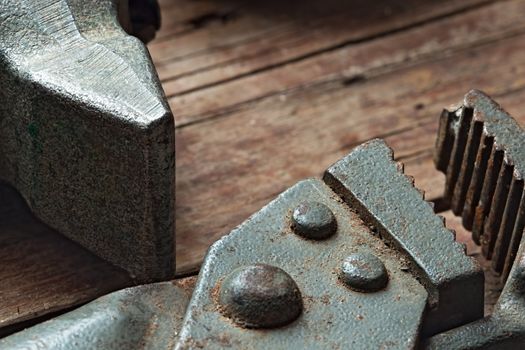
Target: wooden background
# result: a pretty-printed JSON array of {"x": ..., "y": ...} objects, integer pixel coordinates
[{"x": 266, "y": 93}]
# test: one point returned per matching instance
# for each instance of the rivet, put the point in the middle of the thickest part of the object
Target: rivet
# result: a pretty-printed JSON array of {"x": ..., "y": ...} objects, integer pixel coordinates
[
  {"x": 364, "y": 272},
  {"x": 314, "y": 220},
  {"x": 260, "y": 296}
]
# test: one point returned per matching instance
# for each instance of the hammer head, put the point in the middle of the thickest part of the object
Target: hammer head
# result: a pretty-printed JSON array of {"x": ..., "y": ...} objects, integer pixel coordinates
[{"x": 86, "y": 134}]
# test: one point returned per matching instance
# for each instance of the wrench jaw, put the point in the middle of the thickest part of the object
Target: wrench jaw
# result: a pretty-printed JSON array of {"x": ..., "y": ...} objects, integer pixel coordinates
[
  {"x": 86, "y": 134},
  {"x": 480, "y": 150}
]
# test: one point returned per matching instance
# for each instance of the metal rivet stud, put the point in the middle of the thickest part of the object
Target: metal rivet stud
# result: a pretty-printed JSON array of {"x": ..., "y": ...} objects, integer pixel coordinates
[
  {"x": 364, "y": 272},
  {"x": 313, "y": 220},
  {"x": 260, "y": 296}
]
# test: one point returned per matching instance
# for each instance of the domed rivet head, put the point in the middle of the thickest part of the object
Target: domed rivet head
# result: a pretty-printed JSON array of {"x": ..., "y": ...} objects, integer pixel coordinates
[
  {"x": 364, "y": 272},
  {"x": 313, "y": 220},
  {"x": 260, "y": 296}
]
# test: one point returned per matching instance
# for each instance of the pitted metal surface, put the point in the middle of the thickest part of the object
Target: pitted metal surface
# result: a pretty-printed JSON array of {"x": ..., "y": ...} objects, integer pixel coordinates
[
  {"x": 260, "y": 296},
  {"x": 503, "y": 329},
  {"x": 143, "y": 317},
  {"x": 358, "y": 260},
  {"x": 313, "y": 220},
  {"x": 334, "y": 316},
  {"x": 363, "y": 272},
  {"x": 480, "y": 149},
  {"x": 353, "y": 269},
  {"x": 375, "y": 185},
  {"x": 86, "y": 134}
]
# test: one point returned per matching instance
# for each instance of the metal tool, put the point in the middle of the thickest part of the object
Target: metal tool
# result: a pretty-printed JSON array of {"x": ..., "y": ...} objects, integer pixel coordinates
[
  {"x": 143, "y": 317},
  {"x": 86, "y": 134},
  {"x": 481, "y": 149},
  {"x": 381, "y": 259},
  {"x": 320, "y": 266},
  {"x": 355, "y": 260}
]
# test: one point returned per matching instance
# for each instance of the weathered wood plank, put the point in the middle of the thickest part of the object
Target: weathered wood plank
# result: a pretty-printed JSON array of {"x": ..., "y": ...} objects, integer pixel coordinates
[
  {"x": 296, "y": 90},
  {"x": 368, "y": 58},
  {"x": 273, "y": 50},
  {"x": 229, "y": 167},
  {"x": 271, "y": 33},
  {"x": 42, "y": 271}
]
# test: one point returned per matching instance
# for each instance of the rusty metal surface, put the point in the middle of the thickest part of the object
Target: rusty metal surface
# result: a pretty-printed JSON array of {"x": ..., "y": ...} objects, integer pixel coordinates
[
  {"x": 363, "y": 272},
  {"x": 143, "y": 317},
  {"x": 335, "y": 242},
  {"x": 370, "y": 181},
  {"x": 358, "y": 260},
  {"x": 333, "y": 316},
  {"x": 86, "y": 134},
  {"x": 503, "y": 329},
  {"x": 260, "y": 296},
  {"x": 480, "y": 148}
]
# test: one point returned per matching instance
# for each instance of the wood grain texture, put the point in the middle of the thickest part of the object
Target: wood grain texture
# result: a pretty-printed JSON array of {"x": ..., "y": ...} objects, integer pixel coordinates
[
  {"x": 206, "y": 93},
  {"x": 266, "y": 93},
  {"x": 230, "y": 165},
  {"x": 260, "y": 34},
  {"x": 40, "y": 270}
]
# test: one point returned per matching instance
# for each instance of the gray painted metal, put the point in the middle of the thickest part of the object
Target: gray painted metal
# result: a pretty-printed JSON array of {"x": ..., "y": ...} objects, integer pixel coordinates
[
  {"x": 334, "y": 316},
  {"x": 408, "y": 276},
  {"x": 504, "y": 329},
  {"x": 86, "y": 134},
  {"x": 480, "y": 148},
  {"x": 143, "y": 317},
  {"x": 364, "y": 272},
  {"x": 370, "y": 181},
  {"x": 260, "y": 296},
  {"x": 313, "y": 220}
]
